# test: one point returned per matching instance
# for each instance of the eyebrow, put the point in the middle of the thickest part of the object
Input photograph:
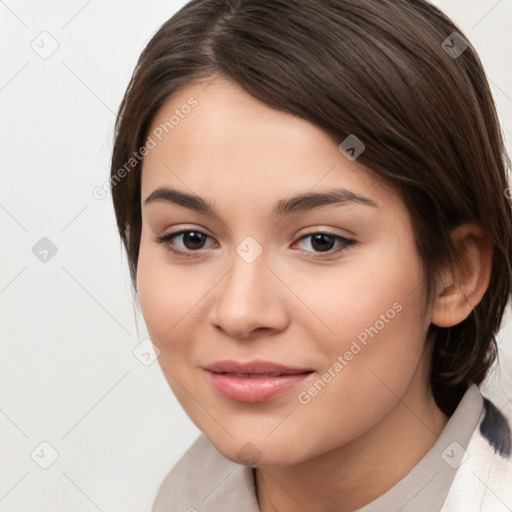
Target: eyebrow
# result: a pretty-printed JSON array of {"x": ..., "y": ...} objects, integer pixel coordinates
[{"x": 298, "y": 203}]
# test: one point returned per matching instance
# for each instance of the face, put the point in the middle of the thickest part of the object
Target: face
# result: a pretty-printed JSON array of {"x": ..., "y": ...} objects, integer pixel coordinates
[{"x": 330, "y": 289}]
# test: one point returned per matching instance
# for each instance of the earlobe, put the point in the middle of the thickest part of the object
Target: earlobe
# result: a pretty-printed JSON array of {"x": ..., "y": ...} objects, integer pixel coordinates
[{"x": 461, "y": 288}]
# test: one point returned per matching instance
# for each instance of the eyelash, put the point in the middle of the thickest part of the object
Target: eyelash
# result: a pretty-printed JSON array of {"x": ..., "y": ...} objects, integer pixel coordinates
[{"x": 166, "y": 239}]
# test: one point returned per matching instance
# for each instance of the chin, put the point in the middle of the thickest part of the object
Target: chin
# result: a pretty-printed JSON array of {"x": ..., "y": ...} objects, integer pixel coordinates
[{"x": 260, "y": 452}]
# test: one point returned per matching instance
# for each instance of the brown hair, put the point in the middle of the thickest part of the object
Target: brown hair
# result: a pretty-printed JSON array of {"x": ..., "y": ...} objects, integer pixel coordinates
[{"x": 379, "y": 69}]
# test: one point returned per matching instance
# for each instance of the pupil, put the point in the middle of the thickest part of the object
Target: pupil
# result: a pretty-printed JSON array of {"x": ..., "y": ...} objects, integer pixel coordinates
[
  {"x": 318, "y": 238},
  {"x": 193, "y": 235}
]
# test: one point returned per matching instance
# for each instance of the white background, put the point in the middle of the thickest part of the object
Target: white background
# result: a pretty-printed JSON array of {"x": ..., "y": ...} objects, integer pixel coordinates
[{"x": 68, "y": 373}]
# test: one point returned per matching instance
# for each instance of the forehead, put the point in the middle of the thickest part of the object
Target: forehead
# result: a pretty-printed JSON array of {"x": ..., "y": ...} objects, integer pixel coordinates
[{"x": 214, "y": 137}]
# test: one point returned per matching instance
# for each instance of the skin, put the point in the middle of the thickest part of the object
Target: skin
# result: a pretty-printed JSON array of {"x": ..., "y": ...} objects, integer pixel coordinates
[{"x": 377, "y": 418}]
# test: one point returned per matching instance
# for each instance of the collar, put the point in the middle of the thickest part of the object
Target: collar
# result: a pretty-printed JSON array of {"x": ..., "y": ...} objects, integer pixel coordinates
[{"x": 204, "y": 480}]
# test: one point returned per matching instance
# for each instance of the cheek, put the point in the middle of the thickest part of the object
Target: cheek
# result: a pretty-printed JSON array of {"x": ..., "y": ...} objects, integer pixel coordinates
[
  {"x": 369, "y": 361},
  {"x": 377, "y": 294},
  {"x": 167, "y": 303},
  {"x": 166, "y": 296},
  {"x": 379, "y": 319},
  {"x": 375, "y": 311}
]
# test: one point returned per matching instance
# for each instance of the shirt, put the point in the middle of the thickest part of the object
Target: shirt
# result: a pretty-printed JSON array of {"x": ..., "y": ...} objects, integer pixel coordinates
[{"x": 468, "y": 466}]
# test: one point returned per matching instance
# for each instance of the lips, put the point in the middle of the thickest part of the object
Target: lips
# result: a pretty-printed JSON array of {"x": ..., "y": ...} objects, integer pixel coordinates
[
  {"x": 254, "y": 381},
  {"x": 253, "y": 375},
  {"x": 254, "y": 368}
]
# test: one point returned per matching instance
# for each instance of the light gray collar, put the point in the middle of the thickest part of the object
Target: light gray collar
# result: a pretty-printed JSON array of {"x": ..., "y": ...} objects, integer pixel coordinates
[{"x": 204, "y": 480}]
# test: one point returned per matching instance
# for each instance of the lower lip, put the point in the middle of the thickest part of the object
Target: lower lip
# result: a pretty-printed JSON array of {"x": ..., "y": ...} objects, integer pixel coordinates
[{"x": 253, "y": 390}]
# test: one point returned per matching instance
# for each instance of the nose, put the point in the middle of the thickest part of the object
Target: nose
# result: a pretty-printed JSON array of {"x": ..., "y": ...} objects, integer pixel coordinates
[{"x": 250, "y": 299}]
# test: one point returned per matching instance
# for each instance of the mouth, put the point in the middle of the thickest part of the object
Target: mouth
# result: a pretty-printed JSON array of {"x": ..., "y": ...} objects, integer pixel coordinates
[
  {"x": 253, "y": 375},
  {"x": 255, "y": 381}
]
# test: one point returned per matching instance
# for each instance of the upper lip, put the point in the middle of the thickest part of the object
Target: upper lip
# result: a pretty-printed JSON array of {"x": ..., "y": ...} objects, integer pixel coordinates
[{"x": 253, "y": 367}]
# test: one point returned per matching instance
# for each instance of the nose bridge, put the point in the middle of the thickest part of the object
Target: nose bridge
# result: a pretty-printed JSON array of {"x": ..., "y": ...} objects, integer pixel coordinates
[
  {"x": 248, "y": 269},
  {"x": 248, "y": 298}
]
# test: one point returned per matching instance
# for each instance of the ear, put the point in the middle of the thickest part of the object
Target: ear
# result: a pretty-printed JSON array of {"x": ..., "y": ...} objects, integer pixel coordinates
[{"x": 460, "y": 289}]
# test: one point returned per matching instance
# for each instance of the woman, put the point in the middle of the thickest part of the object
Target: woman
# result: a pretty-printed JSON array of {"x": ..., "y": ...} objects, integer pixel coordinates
[{"x": 313, "y": 200}]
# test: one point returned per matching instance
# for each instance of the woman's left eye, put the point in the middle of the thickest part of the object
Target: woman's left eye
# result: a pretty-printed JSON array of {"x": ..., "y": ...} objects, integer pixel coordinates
[
  {"x": 324, "y": 241},
  {"x": 193, "y": 241}
]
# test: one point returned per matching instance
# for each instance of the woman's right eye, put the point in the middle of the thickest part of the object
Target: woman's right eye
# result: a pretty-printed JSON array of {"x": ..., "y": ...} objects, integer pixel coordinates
[{"x": 197, "y": 239}]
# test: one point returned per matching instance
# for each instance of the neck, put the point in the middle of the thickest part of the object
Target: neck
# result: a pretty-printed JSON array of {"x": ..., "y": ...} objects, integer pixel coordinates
[{"x": 360, "y": 471}]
